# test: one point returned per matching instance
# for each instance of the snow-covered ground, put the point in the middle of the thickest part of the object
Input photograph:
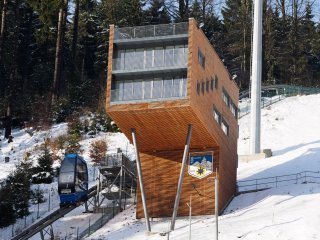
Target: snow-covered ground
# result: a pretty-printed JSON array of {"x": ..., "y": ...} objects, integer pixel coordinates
[{"x": 289, "y": 128}]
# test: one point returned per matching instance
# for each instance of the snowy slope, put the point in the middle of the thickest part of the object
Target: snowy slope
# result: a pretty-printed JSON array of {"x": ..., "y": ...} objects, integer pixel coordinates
[{"x": 290, "y": 129}]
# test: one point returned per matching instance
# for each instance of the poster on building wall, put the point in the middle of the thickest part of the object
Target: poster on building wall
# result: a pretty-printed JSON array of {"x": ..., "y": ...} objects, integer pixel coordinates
[{"x": 200, "y": 164}]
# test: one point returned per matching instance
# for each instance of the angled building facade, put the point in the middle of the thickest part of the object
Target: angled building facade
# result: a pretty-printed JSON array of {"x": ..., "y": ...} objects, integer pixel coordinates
[{"x": 161, "y": 79}]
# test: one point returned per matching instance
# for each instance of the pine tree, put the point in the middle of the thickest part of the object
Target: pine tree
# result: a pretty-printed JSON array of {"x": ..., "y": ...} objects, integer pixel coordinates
[
  {"x": 157, "y": 13},
  {"x": 7, "y": 216},
  {"x": 20, "y": 188},
  {"x": 44, "y": 170},
  {"x": 237, "y": 17}
]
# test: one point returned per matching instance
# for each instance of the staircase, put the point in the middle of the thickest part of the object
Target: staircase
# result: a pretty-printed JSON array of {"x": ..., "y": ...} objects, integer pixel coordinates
[{"x": 119, "y": 178}]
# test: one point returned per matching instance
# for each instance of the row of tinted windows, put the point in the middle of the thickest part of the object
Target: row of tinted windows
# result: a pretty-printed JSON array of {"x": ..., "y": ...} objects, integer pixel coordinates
[
  {"x": 150, "y": 88},
  {"x": 204, "y": 86},
  {"x": 232, "y": 106},
  {"x": 221, "y": 121}
]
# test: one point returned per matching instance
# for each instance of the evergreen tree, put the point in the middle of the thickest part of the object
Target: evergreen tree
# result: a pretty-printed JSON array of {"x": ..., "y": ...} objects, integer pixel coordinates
[
  {"x": 237, "y": 19},
  {"x": 308, "y": 47},
  {"x": 20, "y": 188},
  {"x": 44, "y": 170},
  {"x": 270, "y": 46},
  {"x": 7, "y": 216},
  {"x": 157, "y": 13}
]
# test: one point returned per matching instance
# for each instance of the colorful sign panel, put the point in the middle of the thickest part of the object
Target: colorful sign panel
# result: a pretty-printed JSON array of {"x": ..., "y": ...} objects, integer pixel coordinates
[{"x": 200, "y": 164}]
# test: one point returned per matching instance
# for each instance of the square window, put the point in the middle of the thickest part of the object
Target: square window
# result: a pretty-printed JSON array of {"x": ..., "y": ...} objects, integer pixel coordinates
[
  {"x": 211, "y": 84},
  {"x": 216, "y": 81},
  {"x": 202, "y": 87},
  {"x": 201, "y": 58},
  {"x": 225, "y": 127},
  {"x": 198, "y": 88}
]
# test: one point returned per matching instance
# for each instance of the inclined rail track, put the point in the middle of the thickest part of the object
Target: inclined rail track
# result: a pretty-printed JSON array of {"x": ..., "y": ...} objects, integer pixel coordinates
[{"x": 51, "y": 218}]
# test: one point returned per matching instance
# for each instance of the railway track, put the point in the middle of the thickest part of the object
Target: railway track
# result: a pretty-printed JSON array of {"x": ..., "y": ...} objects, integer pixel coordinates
[{"x": 51, "y": 218}]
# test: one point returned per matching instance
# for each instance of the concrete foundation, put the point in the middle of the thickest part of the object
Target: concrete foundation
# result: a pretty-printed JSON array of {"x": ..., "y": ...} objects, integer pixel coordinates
[{"x": 266, "y": 153}]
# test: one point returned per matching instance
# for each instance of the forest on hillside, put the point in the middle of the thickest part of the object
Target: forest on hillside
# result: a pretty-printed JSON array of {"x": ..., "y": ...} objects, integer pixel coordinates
[{"x": 53, "y": 53}]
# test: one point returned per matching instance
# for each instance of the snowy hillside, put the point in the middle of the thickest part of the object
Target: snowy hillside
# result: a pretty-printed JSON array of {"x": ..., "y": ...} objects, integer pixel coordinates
[{"x": 289, "y": 128}]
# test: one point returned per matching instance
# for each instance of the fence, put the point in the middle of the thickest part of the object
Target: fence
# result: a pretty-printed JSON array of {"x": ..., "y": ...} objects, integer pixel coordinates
[
  {"x": 107, "y": 214},
  {"x": 277, "y": 181},
  {"x": 151, "y": 31},
  {"x": 245, "y": 105},
  {"x": 118, "y": 160}
]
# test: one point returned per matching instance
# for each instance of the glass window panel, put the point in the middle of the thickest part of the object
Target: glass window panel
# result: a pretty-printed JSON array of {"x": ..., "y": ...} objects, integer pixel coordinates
[
  {"x": 127, "y": 90},
  {"x": 158, "y": 57},
  {"x": 167, "y": 87},
  {"x": 184, "y": 86},
  {"x": 137, "y": 89},
  {"x": 147, "y": 89},
  {"x": 225, "y": 127},
  {"x": 119, "y": 90},
  {"x": 179, "y": 58},
  {"x": 185, "y": 54},
  {"x": 139, "y": 58},
  {"x": 149, "y": 58},
  {"x": 157, "y": 88},
  {"x": 129, "y": 59},
  {"x": 169, "y": 56},
  {"x": 216, "y": 115},
  {"x": 120, "y": 60},
  {"x": 177, "y": 87}
]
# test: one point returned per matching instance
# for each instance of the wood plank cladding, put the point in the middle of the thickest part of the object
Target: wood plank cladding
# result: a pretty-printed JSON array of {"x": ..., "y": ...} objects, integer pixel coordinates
[
  {"x": 161, "y": 128},
  {"x": 161, "y": 171}
]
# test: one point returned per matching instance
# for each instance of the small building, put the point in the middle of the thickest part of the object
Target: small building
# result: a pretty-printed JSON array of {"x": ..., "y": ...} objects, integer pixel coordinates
[{"x": 160, "y": 79}]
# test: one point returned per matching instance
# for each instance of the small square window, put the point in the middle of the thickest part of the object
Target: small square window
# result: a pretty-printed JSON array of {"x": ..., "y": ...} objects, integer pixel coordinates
[
  {"x": 202, "y": 87},
  {"x": 216, "y": 115},
  {"x": 225, "y": 127},
  {"x": 226, "y": 97},
  {"x": 198, "y": 88},
  {"x": 216, "y": 81},
  {"x": 201, "y": 58},
  {"x": 211, "y": 84}
]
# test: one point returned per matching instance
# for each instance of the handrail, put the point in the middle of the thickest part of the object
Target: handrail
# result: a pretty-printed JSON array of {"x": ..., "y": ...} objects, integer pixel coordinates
[
  {"x": 277, "y": 181},
  {"x": 48, "y": 220},
  {"x": 151, "y": 31}
]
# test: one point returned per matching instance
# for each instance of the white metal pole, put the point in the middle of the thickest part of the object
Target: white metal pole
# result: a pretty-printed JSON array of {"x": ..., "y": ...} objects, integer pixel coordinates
[
  {"x": 190, "y": 213},
  {"x": 256, "y": 78},
  {"x": 216, "y": 184},
  {"x": 183, "y": 167},
  {"x": 143, "y": 195}
]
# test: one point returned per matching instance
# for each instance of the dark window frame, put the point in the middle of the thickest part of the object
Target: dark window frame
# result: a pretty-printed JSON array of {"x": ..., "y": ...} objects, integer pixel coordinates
[
  {"x": 201, "y": 58},
  {"x": 198, "y": 87}
]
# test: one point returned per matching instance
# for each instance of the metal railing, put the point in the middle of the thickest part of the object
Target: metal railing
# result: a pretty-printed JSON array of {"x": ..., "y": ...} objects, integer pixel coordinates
[
  {"x": 277, "y": 181},
  {"x": 151, "y": 31},
  {"x": 118, "y": 160},
  {"x": 139, "y": 64},
  {"x": 245, "y": 106},
  {"x": 280, "y": 91}
]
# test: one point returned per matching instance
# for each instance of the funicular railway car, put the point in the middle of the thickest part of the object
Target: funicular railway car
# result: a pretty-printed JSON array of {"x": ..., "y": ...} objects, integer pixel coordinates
[{"x": 73, "y": 180}]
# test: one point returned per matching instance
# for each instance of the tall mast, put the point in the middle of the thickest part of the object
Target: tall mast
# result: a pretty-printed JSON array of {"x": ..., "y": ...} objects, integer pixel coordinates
[{"x": 256, "y": 79}]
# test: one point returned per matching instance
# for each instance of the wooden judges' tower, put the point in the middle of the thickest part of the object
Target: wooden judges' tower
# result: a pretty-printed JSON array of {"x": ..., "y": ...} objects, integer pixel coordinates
[{"x": 161, "y": 79}]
